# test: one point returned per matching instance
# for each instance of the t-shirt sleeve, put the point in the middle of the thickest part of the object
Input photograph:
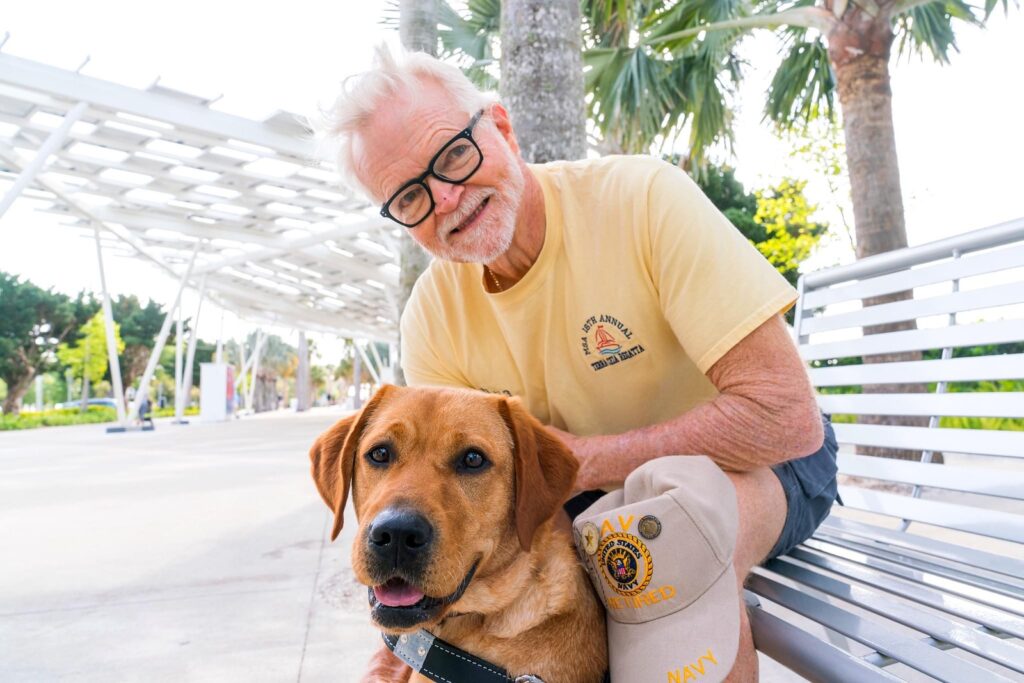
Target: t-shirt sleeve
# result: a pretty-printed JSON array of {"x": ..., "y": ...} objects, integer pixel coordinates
[
  {"x": 714, "y": 287},
  {"x": 422, "y": 361}
]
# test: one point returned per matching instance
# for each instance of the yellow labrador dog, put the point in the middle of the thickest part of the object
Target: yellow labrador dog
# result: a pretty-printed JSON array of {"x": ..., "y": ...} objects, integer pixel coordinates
[{"x": 456, "y": 494}]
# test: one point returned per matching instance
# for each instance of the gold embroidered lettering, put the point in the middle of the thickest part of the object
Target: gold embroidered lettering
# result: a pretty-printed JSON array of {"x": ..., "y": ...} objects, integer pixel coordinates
[
  {"x": 625, "y": 525},
  {"x": 673, "y": 677},
  {"x": 688, "y": 675},
  {"x": 710, "y": 657}
]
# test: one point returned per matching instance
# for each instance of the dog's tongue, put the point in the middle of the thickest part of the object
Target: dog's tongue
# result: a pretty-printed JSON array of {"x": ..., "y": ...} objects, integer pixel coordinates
[{"x": 397, "y": 593}]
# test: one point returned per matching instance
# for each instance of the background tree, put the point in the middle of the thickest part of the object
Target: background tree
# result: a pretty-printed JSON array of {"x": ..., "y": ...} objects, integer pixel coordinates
[
  {"x": 33, "y": 322},
  {"x": 418, "y": 28},
  {"x": 139, "y": 328},
  {"x": 776, "y": 220},
  {"x": 542, "y": 77},
  {"x": 87, "y": 356}
]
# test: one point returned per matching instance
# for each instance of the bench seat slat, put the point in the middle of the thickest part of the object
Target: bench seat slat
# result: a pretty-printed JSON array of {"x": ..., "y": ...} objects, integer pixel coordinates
[
  {"x": 964, "y": 404},
  {"x": 1006, "y": 594},
  {"x": 902, "y": 280},
  {"x": 964, "y": 637},
  {"x": 913, "y": 653},
  {"x": 1008, "y": 366},
  {"x": 942, "y": 439},
  {"x": 873, "y": 534},
  {"x": 1002, "y": 483},
  {"x": 912, "y": 309},
  {"x": 992, "y": 523},
  {"x": 977, "y": 334},
  {"x": 964, "y": 588},
  {"x": 956, "y": 605},
  {"x": 980, "y": 575},
  {"x": 808, "y": 656}
]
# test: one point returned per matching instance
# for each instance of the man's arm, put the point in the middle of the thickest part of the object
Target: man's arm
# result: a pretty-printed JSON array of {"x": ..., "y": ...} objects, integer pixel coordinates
[{"x": 765, "y": 414}]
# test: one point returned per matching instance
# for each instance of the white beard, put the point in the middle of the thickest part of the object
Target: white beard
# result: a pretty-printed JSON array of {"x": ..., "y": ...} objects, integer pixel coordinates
[{"x": 492, "y": 237}]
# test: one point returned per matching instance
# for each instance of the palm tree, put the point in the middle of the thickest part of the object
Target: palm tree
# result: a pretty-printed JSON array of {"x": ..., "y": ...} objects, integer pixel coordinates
[
  {"x": 417, "y": 22},
  {"x": 542, "y": 77}
]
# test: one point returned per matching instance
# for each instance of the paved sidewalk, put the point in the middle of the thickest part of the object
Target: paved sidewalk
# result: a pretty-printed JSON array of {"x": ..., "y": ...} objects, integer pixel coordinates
[{"x": 192, "y": 553}]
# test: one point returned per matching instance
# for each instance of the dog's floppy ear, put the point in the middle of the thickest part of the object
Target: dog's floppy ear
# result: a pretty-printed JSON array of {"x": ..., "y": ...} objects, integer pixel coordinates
[
  {"x": 333, "y": 458},
  {"x": 545, "y": 470}
]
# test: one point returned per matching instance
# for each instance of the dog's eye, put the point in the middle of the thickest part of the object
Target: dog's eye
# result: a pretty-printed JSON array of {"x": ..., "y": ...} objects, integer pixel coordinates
[
  {"x": 380, "y": 455},
  {"x": 472, "y": 460}
]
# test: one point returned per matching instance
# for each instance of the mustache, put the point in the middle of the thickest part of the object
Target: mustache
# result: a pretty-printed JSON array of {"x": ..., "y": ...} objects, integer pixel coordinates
[{"x": 471, "y": 200}]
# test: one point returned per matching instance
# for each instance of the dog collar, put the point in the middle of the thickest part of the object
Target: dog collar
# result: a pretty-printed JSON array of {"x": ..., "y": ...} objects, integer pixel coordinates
[{"x": 441, "y": 661}]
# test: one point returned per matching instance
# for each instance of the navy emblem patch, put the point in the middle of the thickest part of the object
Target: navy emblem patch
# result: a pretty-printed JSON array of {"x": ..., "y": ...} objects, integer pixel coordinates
[{"x": 626, "y": 563}]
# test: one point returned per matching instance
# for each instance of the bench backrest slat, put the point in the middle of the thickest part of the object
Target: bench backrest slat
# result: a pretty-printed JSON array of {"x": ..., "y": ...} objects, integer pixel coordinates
[
  {"x": 965, "y": 404},
  {"x": 986, "y": 297},
  {"x": 977, "y": 334},
  {"x": 977, "y": 441},
  {"x": 1009, "y": 366},
  {"x": 988, "y": 482}
]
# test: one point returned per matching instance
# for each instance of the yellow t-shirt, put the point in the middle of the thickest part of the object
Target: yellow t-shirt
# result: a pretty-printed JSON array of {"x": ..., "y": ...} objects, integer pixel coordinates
[{"x": 640, "y": 287}]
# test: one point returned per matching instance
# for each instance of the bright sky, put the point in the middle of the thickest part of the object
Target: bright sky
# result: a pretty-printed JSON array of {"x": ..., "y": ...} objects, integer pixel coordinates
[{"x": 958, "y": 128}]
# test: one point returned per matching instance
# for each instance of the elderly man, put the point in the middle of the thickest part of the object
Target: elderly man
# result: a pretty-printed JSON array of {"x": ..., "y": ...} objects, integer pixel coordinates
[{"x": 609, "y": 294}]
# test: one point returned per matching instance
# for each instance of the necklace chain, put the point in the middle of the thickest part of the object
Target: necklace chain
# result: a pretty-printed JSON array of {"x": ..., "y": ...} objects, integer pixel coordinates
[{"x": 494, "y": 279}]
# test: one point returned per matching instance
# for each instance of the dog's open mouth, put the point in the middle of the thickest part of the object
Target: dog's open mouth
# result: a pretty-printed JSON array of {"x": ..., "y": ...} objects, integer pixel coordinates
[{"x": 399, "y": 604}]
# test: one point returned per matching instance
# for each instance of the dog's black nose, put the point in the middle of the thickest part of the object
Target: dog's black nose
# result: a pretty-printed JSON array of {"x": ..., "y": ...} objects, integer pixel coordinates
[{"x": 400, "y": 535}]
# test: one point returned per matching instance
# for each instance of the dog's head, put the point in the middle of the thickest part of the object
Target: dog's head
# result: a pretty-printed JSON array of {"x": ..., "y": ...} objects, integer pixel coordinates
[{"x": 447, "y": 484}]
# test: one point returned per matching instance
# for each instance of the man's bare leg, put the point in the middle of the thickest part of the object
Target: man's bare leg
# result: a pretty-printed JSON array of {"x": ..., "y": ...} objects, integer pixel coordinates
[{"x": 762, "y": 513}]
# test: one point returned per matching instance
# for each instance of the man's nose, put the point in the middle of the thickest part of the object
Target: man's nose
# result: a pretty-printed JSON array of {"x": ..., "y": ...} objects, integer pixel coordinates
[{"x": 446, "y": 195}]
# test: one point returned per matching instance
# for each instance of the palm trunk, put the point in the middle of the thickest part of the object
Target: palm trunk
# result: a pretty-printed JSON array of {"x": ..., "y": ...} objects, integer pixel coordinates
[
  {"x": 542, "y": 77},
  {"x": 859, "y": 49},
  {"x": 418, "y": 28}
]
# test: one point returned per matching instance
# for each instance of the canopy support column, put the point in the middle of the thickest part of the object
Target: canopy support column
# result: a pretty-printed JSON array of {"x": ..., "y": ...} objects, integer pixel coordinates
[
  {"x": 161, "y": 339},
  {"x": 302, "y": 378},
  {"x": 108, "y": 324}
]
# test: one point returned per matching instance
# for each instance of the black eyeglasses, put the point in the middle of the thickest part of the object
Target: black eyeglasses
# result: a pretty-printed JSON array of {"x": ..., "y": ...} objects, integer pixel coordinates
[{"x": 455, "y": 163}]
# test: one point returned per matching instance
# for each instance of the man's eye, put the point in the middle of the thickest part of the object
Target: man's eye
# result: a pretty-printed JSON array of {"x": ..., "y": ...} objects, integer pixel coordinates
[
  {"x": 455, "y": 157},
  {"x": 472, "y": 460},
  {"x": 410, "y": 197},
  {"x": 381, "y": 455}
]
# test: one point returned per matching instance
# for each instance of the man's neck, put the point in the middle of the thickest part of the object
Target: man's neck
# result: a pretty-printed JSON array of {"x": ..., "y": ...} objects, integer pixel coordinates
[{"x": 512, "y": 266}]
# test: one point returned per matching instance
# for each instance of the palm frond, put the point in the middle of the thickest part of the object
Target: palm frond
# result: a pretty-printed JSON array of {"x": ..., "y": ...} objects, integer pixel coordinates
[
  {"x": 803, "y": 87},
  {"x": 929, "y": 27}
]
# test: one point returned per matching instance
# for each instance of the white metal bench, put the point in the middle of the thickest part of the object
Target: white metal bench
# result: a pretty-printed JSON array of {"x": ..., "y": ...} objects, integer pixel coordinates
[{"x": 926, "y": 582}]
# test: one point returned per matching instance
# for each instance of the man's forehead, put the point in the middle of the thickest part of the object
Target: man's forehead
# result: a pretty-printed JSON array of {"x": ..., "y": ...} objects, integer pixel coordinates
[{"x": 404, "y": 132}]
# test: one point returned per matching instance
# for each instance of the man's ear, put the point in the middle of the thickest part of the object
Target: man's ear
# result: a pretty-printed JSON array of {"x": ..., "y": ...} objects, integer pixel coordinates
[
  {"x": 545, "y": 470},
  {"x": 333, "y": 457},
  {"x": 503, "y": 122}
]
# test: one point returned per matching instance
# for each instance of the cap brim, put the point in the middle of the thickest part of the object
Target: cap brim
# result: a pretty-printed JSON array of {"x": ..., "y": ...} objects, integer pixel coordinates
[{"x": 703, "y": 636}]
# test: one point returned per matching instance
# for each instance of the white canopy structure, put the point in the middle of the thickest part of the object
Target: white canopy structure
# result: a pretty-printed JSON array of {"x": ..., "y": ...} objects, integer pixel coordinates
[{"x": 240, "y": 210}]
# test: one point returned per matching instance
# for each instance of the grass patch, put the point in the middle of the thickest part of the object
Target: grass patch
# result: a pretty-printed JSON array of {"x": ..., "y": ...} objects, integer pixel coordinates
[
  {"x": 57, "y": 418},
  {"x": 169, "y": 411}
]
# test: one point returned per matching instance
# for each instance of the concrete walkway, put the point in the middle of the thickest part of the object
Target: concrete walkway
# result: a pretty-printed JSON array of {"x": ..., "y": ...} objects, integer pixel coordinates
[{"x": 192, "y": 553}]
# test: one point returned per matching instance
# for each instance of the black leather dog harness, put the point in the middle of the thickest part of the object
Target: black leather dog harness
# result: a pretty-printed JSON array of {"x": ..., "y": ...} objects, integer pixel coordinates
[{"x": 443, "y": 662}]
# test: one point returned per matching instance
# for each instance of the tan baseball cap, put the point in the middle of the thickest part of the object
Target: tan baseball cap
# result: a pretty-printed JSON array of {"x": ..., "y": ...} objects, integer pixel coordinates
[{"x": 659, "y": 553}]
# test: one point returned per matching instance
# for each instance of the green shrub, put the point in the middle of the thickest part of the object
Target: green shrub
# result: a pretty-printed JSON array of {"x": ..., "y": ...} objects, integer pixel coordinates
[{"x": 57, "y": 418}]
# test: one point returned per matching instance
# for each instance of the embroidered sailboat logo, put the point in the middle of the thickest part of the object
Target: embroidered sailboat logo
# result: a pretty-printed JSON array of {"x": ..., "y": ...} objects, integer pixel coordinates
[{"x": 606, "y": 344}]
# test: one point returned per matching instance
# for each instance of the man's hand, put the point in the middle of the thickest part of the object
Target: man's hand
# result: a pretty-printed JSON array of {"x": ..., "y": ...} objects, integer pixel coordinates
[{"x": 589, "y": 476}]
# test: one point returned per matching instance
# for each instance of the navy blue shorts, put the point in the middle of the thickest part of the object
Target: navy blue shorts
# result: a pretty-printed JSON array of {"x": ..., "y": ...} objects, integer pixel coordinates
[{"x": 809, "y": 484}]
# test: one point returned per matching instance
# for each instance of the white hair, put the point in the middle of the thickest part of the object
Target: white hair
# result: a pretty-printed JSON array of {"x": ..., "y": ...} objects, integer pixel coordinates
[{"x": 362, "y": 95}]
